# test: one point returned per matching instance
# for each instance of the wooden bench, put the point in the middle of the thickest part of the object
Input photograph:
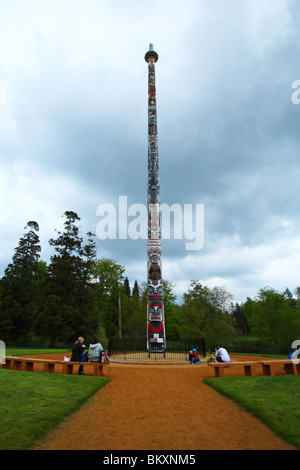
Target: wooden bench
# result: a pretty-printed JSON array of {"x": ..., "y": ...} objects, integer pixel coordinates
[
  {"x": 27, "y": 363},
  {"x": 51, "y": 365},
  {"x": 248, "y": 367},
  {"x": 98, "y": 367},
  {"x": 268, "y": 367},
  {"x": 289, "y": 366},
  {"x": 48, "y": 364},
  {"x": 14, "y": 363}
]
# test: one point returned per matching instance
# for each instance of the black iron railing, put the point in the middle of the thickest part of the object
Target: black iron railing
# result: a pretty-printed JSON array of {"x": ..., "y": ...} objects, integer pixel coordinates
[{"x": 136, "y": 348}]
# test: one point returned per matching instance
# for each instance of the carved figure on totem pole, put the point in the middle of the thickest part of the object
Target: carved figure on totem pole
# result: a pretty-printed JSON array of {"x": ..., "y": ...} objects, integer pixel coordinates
[{"x": 156, "y": 340}]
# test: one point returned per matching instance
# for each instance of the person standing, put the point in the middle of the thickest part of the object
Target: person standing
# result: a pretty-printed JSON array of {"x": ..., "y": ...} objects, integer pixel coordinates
[
  {"x": 77, "y": 349},
  {"x": 222, "y": 355}
]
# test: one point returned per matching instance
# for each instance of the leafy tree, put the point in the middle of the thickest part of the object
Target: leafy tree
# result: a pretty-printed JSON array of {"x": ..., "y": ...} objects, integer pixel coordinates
[
  {"x": 69, "y": 308},
  {"x": 272, "y": 319},
  {"x": 108, "y": 281},
  {"x": 237, "y": 311},
  {"x": 289, "y": 297},
  {"x": 19, "y": 299},
  {"x": 134, "y": 313},
  {"x": 89, "y": 253},
  {"x": 205, "y": 314},
  {"x": 173, "y": 319},
  {"x": 297, "y": 293}
]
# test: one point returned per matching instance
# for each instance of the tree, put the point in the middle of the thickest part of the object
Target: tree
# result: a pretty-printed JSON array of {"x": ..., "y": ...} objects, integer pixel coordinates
[
  {"x": 89, "y": 253},
  {"x": 134, "y": 313},
  {"x": 289, "y": 297},
  {"x": 136, "y": 290},
  {"x": 69, "y": 308},
  {"x": 108, "y": 281},
  {"x": 127, "y": 287},
  {"x": 205, "y": 313},
  {"x": 272, "y": 319},
  {"x": 19, "y": 299},
  {"x": 237, "y": 311},
  {"x": 172, "y": 312}
]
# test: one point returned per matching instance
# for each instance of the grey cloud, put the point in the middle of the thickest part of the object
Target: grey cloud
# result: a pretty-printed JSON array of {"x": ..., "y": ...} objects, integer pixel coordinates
[{"x": 76, "y": 117}]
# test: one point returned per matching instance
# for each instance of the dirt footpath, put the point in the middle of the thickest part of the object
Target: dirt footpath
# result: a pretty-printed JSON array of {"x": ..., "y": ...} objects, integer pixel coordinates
[{"x": 156, "y": 407}]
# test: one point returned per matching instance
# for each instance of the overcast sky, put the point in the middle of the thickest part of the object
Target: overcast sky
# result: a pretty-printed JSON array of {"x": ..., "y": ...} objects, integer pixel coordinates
[{"x": 73, "y": 130}]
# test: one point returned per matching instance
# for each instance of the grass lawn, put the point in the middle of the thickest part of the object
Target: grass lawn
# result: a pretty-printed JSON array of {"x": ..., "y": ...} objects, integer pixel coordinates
[
  {"x": 33, "y": 351},
  {"x": 33, "y": 403},
  {"x": 274, "y": 400}
]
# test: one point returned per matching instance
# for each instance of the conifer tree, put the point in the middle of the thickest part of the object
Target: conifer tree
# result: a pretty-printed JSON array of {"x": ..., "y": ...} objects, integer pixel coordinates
[
  {"x": 19, "y": 300},
  {"x": 127, "y": 287},
  {"x": 69, "y": 309},
  {"x": 136, "y": 290}
]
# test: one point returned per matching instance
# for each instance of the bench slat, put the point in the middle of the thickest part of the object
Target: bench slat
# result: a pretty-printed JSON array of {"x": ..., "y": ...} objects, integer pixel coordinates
[
  {"x": 49, "y": 365},
  {"x": 289, "y": 366},
  {"x": 249, "y": 367}
]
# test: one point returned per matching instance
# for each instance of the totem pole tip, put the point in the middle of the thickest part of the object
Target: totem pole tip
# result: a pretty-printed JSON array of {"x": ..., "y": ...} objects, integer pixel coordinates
[{"x": 151, "y": 53}]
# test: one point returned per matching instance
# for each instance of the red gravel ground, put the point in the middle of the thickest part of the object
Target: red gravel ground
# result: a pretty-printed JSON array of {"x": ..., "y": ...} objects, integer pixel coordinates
[{"x": 160, "y": 407}]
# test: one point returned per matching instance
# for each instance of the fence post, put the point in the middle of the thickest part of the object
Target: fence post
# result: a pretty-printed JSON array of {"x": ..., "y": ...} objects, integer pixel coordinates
[{"x": 137, "y": 346}]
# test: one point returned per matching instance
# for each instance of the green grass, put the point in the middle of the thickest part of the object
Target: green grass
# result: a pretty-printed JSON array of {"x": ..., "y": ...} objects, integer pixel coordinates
[
  {"x": 276, "y": 356},
  {"x": 33, "y": 351},
  {"x": 33, "y": 403},
  {"x": 274, "y": 400}
]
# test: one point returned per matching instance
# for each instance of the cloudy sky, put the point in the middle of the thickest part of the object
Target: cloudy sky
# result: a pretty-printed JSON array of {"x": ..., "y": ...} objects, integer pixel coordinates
[{"x": 73, "y": 130}]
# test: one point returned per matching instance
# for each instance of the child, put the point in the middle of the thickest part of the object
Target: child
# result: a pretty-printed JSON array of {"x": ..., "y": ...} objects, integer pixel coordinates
[
  {"x": 211, "y": 359},
  {"x": 196, "y": 359}
]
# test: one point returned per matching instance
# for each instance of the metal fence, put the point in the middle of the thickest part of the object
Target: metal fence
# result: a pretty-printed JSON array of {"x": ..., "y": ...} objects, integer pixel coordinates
[{"x": 136, "y": 349}]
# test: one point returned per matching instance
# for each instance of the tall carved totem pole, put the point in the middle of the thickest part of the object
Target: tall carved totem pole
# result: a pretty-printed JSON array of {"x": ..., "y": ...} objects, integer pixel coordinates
[{"x": 156, "y": 339}]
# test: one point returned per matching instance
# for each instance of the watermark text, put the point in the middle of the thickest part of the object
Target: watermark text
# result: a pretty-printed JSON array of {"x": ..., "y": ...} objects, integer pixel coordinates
[
  {"x": 177, "y": 221},
  {"x": 296, "y": 94}
]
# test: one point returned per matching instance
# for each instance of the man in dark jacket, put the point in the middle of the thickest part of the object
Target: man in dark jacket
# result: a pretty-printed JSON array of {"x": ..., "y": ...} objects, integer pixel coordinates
[{"x": 77, "y": 349}]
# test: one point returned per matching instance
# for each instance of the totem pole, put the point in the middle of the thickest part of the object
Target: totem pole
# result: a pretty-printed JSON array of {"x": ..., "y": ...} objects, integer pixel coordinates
[{"x": 156, "y": 340}]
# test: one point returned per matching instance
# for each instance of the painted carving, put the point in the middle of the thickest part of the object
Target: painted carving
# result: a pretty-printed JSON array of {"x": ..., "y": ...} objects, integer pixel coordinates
[{"x": 156, "y": 341}]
